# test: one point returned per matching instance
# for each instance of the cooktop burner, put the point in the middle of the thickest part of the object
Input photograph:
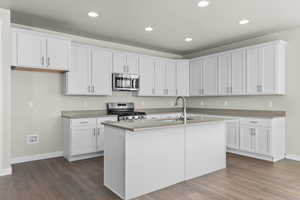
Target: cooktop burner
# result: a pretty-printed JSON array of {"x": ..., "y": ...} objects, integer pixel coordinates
[{"x": 125, "y": 111}]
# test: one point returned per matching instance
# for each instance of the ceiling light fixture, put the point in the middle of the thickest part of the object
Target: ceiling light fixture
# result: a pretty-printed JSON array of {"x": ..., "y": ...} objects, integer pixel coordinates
[
  {"x": 244, "y": 21},
  {"x": 93, "y": 14},
  {"x": 149, "y": 29},
  {"x": 188, "y": 39},
  {"x": 203, "y": 3}
]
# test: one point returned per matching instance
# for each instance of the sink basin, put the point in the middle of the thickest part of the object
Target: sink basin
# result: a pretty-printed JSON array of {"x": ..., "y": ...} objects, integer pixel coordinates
[{"x": 176, "y": 119}]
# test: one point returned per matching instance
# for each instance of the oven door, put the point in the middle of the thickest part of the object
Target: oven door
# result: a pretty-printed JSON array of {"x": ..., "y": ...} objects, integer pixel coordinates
[{"x": 125, "y": 82}]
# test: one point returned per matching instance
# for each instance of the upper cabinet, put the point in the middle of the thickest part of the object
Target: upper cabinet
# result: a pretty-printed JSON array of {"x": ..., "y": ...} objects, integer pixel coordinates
[
  {"x": 37, "y": 50},
  {"x": 147, "y": 76},
  {"x": 125, "y": 63},
  {"x": 254, "y": 70},
  {"x": 210, "y": 76},
  {"x": 196, "y": 77},
  {"x": 266, "y": 69},
  {"x": 232, "y": 73},
  {"x": 183, "y": 77},
  {"x": 90, "y": 71}
]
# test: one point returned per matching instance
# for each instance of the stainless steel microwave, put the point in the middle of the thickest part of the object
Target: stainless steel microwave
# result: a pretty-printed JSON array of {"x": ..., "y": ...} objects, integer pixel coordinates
[{"x": 125, "y": 82}]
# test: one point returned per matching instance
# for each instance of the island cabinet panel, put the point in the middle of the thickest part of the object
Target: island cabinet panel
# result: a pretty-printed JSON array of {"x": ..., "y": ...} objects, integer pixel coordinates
[
  {"x": 154, "y": 160},
  {"x": 205, "y": 149}
]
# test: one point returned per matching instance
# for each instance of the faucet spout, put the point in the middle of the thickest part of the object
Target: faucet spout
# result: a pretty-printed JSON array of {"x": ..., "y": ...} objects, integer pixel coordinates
[{"x": 183, "y": 107}]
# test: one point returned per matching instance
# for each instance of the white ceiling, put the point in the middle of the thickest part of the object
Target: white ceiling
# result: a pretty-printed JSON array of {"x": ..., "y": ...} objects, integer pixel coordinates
[{"x": 173, "y": 20}]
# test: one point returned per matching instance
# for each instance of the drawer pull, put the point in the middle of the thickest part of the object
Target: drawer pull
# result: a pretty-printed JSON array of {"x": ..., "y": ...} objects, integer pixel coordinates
[
  {"x": 84, "y": 122},
  {"x": 254, "y": 122}
]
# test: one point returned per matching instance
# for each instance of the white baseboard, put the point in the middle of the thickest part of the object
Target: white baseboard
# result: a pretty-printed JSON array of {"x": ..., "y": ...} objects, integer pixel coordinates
[
  {"x": 292, "y": 157},
  {"x": 23, "y": 159},
  {"x": 5, "y": 172}
]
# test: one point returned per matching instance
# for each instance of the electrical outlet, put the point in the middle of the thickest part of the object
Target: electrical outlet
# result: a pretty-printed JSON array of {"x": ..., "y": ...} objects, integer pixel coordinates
[
  {"x": 202, "y": 103},
  {"x": 225, "y": 103},
  {"x": 30, "y": 104},
  {"x": 270, "y": 104},
  {"x": 32, "y": 139}
]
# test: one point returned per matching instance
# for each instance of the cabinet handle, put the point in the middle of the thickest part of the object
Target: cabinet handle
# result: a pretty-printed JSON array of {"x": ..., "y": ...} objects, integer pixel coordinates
[
  {"x": 153, "y": 91},
  {"x": 93, "y": 89},
  {"x": 48, "y": 61},
  {"x": 98, "y": 131},
  {"x": 89, "y": 89},
  {"x": 83, "y": 122},
  {"x": 94, "y": 131},
  {"x": 43, "y": 60}
]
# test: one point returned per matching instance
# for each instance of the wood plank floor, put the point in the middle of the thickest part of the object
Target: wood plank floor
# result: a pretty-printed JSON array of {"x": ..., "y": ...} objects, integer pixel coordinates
[{"x": 244, "y": 179}]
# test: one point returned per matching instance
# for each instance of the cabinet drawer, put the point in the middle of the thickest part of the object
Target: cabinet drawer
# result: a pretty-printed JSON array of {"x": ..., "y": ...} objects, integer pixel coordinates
[
  {"x": 256, "y": 122},
  {"x": 103, "y": 119},
  {"x": 83, "y": 122}
]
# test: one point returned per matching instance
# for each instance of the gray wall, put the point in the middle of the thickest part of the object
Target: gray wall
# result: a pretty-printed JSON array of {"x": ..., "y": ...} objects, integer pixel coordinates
[{"x": 290, "y": 103}]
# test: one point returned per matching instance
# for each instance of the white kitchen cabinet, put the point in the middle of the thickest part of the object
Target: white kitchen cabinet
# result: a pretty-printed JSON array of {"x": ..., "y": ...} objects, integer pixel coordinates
[
  {"x": 210, "y": 76},
  {"x": 30, "y": 50},
  {"x": 58, "y": 53},
  {"x": 90, "y": 72},
  {"x": 170, "y": 85},
  {"x": 183, "y": 77},
  {"x": 196, "y": 77},
  {"x": 147, "y": 76},
  {"x": 160, "y": 77},
  {"x": 246, "y": 139},
  {"x": 38, "y": 50},
  {"x": 125, "y": 63},
  {"x": 238, "y": 72},
  {"x": 262, "y": 140},
  {"x": 78, "y": 78},
  {"x": 84, "y": 138},
  {"x": 233, "y": 134},
  {"x": 232, "y": 73},
  {"x": 101, "y": 68},
  {"x": 266, "y": 69}
]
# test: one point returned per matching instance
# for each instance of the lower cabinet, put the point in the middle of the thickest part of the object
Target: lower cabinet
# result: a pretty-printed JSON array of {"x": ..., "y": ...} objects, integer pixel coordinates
[
  {"x": 84, "y": 138},
  {"x": 259, "y": 138}
]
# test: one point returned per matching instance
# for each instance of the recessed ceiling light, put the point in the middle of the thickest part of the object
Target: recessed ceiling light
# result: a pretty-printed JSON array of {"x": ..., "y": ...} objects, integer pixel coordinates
[
  {"x": 93, "y": 14},
  {"x": 149, "y": 29},
  {"x": 203, "y": 3},
  {"x": 244, "y": 21},
  {"x": 188, "y": 39}
]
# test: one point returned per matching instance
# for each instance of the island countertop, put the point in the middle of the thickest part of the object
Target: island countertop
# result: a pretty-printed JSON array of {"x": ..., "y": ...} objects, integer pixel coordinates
[{"x": 141, "y": 125}]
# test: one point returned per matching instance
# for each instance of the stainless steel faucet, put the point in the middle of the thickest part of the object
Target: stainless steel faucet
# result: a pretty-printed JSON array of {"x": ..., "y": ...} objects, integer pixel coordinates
[{"x": 183, "y": 107}]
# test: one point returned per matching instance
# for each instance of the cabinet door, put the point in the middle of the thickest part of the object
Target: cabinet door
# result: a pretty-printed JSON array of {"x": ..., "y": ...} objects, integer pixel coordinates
[
  {"x": 233, "y": 135},
  {"x": 78, "y": 78},
  {"x": 253, "y": 63},
  {"x": 182, "y": 78},
  {"x": 246, "y": 138},
  {"x": 196, "y": 77},
  {"x": 224, "y": 74},
  {"x": 262, "y": 140},
  {"x": 119, "y": 62},
  {"x": 238, "y": 72},
  {"x": 132, "y": 64},
  {"x": 100, "y": 138},
  {"x": 170, "y": 78},
  {"x": 160, "y": 78},
  {"x": 31, "y": 50},
  {"x": 83, "y": 140},
  {"x": 147, "y": 76},
  {"x": 58, "y": 53},
  {"x": 101, "y": 72},
  {"x": 210, "y": 74},
  {"x": 267, "y": 70}
]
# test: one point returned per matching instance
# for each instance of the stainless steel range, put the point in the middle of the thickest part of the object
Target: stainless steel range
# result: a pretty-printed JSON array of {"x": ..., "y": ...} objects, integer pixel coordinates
[{"x": 124, "y": 111}]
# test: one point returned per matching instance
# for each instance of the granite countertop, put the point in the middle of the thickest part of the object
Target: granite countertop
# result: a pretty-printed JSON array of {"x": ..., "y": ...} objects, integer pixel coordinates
[
  {"x": 85, "y": 114},
  {"x": 150, "y": 124}
]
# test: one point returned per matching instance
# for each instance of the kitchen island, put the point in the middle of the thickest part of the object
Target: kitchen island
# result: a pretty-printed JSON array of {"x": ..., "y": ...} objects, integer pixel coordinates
[{"x": 147, "y": 155}]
